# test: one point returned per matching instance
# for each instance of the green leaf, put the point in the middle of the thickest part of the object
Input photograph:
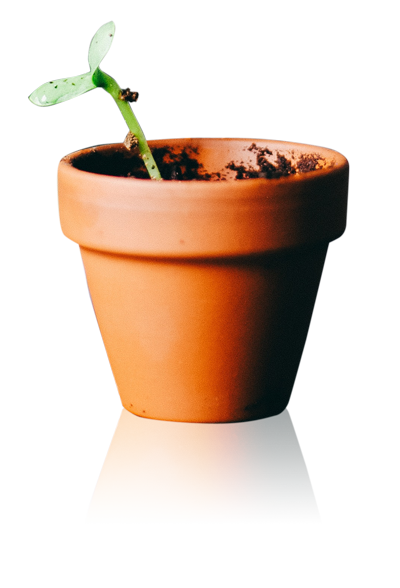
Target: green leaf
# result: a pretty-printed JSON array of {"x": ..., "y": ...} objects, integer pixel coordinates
[
  {"x": 62, "y": 90},
  {"x": 100, "y": 44}
]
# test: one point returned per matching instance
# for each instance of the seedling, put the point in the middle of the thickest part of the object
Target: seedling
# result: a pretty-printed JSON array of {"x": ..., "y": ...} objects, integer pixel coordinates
[{"x": 64, "y": 89}]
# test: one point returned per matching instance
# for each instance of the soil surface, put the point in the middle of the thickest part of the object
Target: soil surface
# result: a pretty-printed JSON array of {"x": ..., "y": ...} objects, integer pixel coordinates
[{"x": 184, "y": 165}]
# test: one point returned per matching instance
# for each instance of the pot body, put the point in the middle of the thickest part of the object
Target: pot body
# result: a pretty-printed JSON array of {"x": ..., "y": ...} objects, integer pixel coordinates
[{"x": 206, "y": 341}]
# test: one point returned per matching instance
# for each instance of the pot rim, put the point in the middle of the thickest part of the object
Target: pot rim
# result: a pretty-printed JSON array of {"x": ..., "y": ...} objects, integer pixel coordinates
[
  {"x": 204, "y": 219},
  {"x": 215, "y": 189}
]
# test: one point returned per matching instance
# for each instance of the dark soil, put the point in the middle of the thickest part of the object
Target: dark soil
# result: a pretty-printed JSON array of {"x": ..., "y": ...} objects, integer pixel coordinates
[
  {"x": 264, "y": 169},
  {"x": 281, "y": 167},
  {"x": 180, "y": 166},
  {"x": 183, "y": 164}
]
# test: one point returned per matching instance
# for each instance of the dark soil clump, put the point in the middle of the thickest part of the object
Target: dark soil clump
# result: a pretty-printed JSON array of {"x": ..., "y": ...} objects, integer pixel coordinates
[
  {"x": 265, "y": 168},
  {"x": 280, "y": 167},
  {"x": 307, "y": 163},
  {"x": 182, "y": 165}
]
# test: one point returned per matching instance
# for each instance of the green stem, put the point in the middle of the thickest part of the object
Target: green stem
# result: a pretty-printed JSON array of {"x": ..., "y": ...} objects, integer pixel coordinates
[{"x": 103, "y": 80}]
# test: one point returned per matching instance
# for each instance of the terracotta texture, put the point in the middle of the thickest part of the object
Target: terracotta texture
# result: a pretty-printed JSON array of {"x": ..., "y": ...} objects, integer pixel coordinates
[
  {"x": 204, "y": 341},
  {"x": 204, "y": 291}
]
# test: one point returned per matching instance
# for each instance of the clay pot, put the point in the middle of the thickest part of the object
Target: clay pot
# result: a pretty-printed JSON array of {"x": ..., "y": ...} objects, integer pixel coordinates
[{"x": 204, "y": 291}]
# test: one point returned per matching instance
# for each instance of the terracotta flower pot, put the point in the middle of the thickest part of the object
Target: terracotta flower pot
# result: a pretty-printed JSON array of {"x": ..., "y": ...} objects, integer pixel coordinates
[{"x": 204, "y": 290}]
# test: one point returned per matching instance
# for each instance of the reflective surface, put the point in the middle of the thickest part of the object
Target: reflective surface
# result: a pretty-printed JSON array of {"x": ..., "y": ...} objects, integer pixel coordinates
[{"x": 99, "y": 421}]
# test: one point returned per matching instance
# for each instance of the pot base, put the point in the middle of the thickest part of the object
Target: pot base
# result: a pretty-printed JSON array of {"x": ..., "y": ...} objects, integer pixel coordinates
[{"x": 161, "y": 472}]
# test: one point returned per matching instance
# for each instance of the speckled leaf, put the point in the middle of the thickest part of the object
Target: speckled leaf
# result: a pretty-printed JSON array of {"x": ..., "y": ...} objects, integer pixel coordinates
[
  {"x": 100, "y": 45},
  {"x": 62, "y": 90}
]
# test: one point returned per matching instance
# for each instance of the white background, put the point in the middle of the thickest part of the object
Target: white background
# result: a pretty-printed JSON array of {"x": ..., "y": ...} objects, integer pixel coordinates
[{"x": 304, "y": 69}]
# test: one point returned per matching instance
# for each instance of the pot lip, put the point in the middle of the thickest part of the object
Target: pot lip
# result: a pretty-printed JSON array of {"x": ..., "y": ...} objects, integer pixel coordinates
[
  {"x": 200, "y": 219},
  {"x": 339, "y": 164}
]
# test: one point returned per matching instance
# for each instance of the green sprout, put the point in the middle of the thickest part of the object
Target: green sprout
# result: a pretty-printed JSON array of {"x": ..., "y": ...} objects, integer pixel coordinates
[{"x": 64, "y": 89}]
